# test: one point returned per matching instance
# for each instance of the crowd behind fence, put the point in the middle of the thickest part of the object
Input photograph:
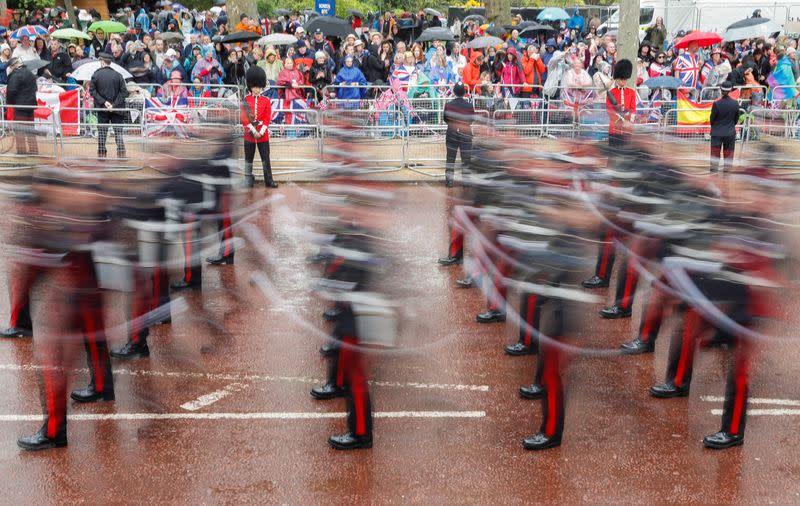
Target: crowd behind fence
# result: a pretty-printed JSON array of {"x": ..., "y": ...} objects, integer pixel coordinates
[{"x": 410, "y": 131}]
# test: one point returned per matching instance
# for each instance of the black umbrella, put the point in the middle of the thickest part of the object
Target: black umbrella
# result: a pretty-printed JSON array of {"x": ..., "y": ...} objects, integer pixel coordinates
[
  {"x": 497, "y": 31},
  {"x": 35, "y": 65},
  {"x": 330, "y": 26},
  {"x": 240, "y": 37},
  {"x": 355, "y": 13},
  {"x": 434, "y": 12},
  {"x": 282, "y": 12},
  {"x": 476, "y": 17},
  {"x": 533, "y": 30},
  {"x": 751, "y": 28},
  {"x": 436, "y": 33}
]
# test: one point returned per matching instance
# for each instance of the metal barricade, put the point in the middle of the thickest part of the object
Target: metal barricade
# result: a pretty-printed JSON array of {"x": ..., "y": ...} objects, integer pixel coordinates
[
  {"x": 379, "y": 138},
  {"x": 294, "y": 139},
  {"x": 371, "y": 91},
  {"x": 771, "y": 124},
  {"x": 81, "y": 140},
  {"x": 25, "y": 143}
]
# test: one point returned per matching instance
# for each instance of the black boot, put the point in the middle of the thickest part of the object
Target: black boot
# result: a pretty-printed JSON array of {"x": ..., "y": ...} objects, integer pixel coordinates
[
  {"x": 328, "y": 349},
  {"x": 540, "y": 442},
  {"x": 637, "y": 346},
  {"x": 595, "y": 282},
  {"x": 449, "y": 260},
  {"x": 722, "y": 440},
  {"x": 518, "y": 349},
  {"x": 220, "y": 259},
  {"x": 328, "y": 391},
  {"x": 532, "y": 392},
  {"x": 90, "y": 394},
  {"x": 448, "y": 182},
  {"x": 40, "y": 441},
  {"x": 350, "y": 442},
  {"x": 131, "y": 350},
  {"x": 668, "y": 390},
  {"x": 268, "y": 181},
  {"x": 249, "y": 180},
  {"x": 491, "y": 316},
  {"x": 16, "y": 332},
  {"x": 614, "y": 312}
]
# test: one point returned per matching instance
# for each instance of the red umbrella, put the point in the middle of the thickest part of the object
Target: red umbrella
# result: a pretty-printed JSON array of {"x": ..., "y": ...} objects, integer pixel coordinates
[{"x": 703, "y": 39}]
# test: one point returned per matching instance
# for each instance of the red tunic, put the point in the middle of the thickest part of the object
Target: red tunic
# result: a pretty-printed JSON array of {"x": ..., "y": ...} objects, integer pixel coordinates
[
  {"x": 626, "y": 98},
  {"x": 261, "y": 111}
]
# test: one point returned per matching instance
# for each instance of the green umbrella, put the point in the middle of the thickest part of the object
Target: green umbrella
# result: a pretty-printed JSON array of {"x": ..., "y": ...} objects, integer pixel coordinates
[
  {"x": 108, "y": 27},
  {"x": 69, "y": 33}
]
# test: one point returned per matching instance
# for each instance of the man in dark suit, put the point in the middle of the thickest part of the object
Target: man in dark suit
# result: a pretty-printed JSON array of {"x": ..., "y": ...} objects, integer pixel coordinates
[
  {"x": 458, "y": 114},
  {"x": 21, "y": 92},
  {"x": 724, "y": 116},
  {"x": 109, "y": 93}
]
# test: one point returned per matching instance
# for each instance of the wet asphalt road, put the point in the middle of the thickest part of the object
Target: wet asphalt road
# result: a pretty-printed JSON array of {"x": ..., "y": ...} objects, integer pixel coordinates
[{"x": 619, "y": 444}]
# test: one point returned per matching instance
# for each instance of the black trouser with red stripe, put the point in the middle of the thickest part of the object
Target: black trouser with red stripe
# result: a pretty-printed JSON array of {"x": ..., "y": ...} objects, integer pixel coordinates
[
  {"x": 82, "y": 313},
  {"x": 605, "y": 257},
  {"x": 530, "y": 311},
  {"x": 653, "y": 315},
  {"x": 456, "y": 246},
  {"x": 350, "y": 372},
  {"x": 23, "y": 278},
  {"x": 549, "y": 368},
  {"x": 225, "y": 224},
  {"x": 643, "y": 248},
  {"x": 192, "y": 263}
]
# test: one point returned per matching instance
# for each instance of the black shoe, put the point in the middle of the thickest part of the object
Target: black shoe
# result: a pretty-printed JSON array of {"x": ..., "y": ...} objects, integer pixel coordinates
[
  {"x": 491, "y": 316},
  {"x": 16, "y": 332},
  {"x": 40, "y": 441},
  {"x": 595, "y": 282},
  {"x": 131, "y": 350},
  {"x": 518, "y": 349},
  {"x": 328, "y": 391},
  {"x": 722, "y": 440},
  {"x": 532, "y": 392},
  {"x": 328, "y": 349},
  {"x": 615, "y": 312},
  {"x": 467, "y": 282},
  {"x": 450, "y": 260},
  {"x": 270, "y": 184},
  {"x": 89, "y": 394},
  {"x": 220, "y": 260},
  {"x": 449, "y": 183},
  {"x": 668, "y": 390},
  {"x": 637, "y": 346},
  {"x": 540, "y": 442},
  {"x": 350, "y": 442},
  {"x": 332, "y": 314},
  {"x": 183, "y": 285}
]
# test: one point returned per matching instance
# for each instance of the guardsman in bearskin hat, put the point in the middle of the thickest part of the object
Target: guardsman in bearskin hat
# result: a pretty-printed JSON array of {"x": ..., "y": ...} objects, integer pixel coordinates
[{"x": 256, "y": 114}]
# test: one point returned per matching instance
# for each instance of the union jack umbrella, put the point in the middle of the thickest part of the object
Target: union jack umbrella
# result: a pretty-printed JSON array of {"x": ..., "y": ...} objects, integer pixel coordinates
[{"x": 31, "y": 31}]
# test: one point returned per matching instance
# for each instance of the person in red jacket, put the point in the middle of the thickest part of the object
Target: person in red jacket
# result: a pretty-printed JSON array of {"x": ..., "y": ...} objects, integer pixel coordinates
[
  {"x": 471, "y": 75},
  {"x": 620, "y": 104},
  {"x": 256, "y": 115},
  {"x": 534, "y": 69}
]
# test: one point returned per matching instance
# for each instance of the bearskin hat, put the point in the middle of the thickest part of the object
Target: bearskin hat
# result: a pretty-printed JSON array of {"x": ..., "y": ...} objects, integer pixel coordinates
[
  {"x": 623, "y": 69},
  {"x": 255, "y": 77}
]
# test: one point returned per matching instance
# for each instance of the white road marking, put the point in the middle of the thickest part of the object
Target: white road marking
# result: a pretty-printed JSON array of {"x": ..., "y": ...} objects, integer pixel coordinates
[
  {"x": 209, "y": 399},
  {"x": 245, "y": 378},
  {"x": 243, "y": 416},
  {"x": 755, "y": 400},
  {"x": 764, "y": 412}
]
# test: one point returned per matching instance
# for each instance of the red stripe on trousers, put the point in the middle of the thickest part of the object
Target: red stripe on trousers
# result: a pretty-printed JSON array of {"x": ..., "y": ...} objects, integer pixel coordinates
[
  {"x": 687, "y": 345},
  {"x": 531, "y": 309},
  {"x": 98, "y": 373},
  {"x": 227, "y": 233},
  {"x": 629, "y": 281},
  {"x": 606, "y": 253},
  {"x": 187, "y": 253},
  {"x": 742, "y": 373},
  {"x": 358, "y": 385}
]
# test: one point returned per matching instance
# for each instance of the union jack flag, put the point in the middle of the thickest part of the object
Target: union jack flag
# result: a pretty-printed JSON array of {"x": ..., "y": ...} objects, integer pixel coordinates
[
  {"x": 687, "y": 68},
  {"x": 163, "y": 118},
  {"x": 283, "y": 112},
  {"x": 705, "y": 72}
]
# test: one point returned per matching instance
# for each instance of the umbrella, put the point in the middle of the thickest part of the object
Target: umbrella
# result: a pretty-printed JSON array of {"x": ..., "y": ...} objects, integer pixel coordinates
[
  {"x": 436, "y": 33},
  {"x": 31, "y": 31},
  {"x": 553, "y": 14},
  {"x": 164, "y": 3},
  {"x": 668, "y": 82},
  {"x": 108, "y": 27},
  {"x": 484, "y": 42},
  {"x": 475, "y": 17},
  {"x": 497, "y": 31},
  {"x": 751, "y": 28},
  {"x": 703, "y": 39},
  {"x": 170, "y": 36},
  {"x": 282, "y": 12},
  {"x": 534, "y": 29},
  {"x": 178, "y": 7},
  {"x": 240, "y": 37},
  {"x": 330, "y": 26},
  {"x": 69, "y": 33},
  {"x": 35, "y": 65},
  {"x": 434, "y": 12},
  {"x": 87, "y": 70},
  {"x": 216, "y": 10},
  {"x": 277, "y": 39},
  {"x": 355, "y": 13}
]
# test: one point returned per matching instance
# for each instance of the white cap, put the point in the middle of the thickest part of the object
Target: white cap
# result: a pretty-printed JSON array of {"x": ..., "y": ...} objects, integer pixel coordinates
[
  {"x": 791, "y": 50},
  {"x": 300, "y": 29},
  {"x": 170, "y": 53}
]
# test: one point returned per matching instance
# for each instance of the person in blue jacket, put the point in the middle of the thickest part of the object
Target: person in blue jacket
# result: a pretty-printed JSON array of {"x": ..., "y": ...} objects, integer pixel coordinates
[
  {"x": 350, "y": 83},
  {"x": 577, "y": 22}
]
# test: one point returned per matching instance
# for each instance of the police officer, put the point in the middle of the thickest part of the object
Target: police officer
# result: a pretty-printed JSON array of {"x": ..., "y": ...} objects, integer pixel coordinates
[
  {"x": 458, "y": 114},
  {"x": 109, "y": 93},
  {"x": 724, "y": 116},
  {"x": 21, "y": 91}
]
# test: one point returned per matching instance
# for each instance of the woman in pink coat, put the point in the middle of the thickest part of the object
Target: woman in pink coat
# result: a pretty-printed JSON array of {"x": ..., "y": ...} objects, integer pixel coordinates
[
  {"x": 512, "y": 76},
  {"x": 292, "y": 81}
]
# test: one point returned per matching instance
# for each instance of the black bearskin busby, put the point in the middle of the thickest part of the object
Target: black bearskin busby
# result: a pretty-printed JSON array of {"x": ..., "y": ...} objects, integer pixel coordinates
[
  {"x": 623, "y": 69},
  {"x": 255, "y": 77}
]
